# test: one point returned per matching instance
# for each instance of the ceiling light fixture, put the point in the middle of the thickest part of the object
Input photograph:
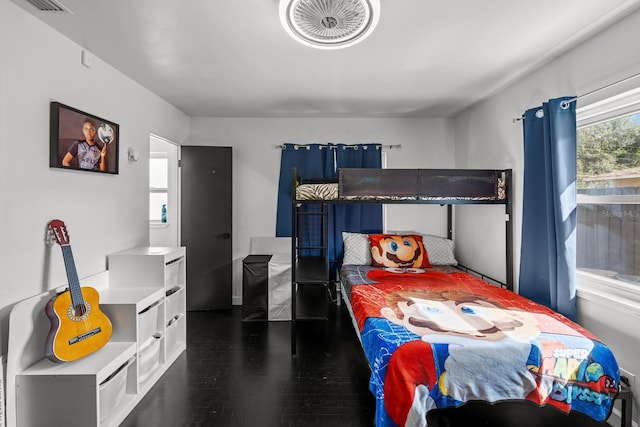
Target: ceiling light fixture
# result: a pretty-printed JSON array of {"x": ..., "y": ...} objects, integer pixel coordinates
[{"x": 329, "y": 24}]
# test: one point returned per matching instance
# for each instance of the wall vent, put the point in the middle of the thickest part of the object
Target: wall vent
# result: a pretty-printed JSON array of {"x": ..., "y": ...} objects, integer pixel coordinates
[{"x": 48, "y": 6}]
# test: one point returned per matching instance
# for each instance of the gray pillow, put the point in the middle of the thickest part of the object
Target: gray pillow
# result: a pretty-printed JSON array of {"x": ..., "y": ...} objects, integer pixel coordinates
[{"x": 357, "y": 249}]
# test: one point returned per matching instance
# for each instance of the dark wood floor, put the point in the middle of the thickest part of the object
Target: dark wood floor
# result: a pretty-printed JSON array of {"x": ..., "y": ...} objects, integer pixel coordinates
[{"x": 239, "y": 374}]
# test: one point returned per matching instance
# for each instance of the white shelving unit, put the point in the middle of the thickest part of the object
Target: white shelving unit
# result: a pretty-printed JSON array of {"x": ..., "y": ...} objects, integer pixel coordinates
[
  {"x": 142, "y": 308},
  {"x": 96, "y": 386},
  {"x": 152, "y": 267},
  {"x": 144, "y": 295}
]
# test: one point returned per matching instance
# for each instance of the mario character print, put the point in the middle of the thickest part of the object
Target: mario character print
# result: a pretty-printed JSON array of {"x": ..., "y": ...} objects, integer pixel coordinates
[
  {"x": 468, "y": 326},
  {"x": 398, "y": 251},
  {"x": 473, "y": 348},
  {"x": 440, "y": 339}
]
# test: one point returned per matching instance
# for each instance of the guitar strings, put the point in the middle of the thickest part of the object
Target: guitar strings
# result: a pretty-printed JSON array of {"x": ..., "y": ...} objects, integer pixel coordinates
[{"x": 78, "y": 303}]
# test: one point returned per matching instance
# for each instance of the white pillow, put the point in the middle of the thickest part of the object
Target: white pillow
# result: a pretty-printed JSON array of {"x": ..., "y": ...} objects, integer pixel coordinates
[
  {"x": 357, "y": 249},
  {"x": 440, "y": 250}
]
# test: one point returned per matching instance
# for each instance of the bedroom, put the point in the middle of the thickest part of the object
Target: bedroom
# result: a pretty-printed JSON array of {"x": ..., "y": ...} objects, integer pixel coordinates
[{"x": 43, "y": 65}]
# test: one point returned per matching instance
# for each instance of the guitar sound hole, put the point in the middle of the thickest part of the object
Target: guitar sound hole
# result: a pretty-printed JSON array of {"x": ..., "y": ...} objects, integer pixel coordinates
[{"x": 79, "y": 312}]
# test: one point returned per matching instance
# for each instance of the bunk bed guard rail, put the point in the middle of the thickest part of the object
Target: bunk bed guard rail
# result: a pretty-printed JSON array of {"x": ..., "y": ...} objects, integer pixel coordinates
[{"x": 423, "y": 184}]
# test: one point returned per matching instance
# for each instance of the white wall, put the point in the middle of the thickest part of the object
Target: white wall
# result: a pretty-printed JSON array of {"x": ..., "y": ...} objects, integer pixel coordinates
[
  {"x": 426, "y": 143},
  {"x": 486, "y": 134},
  {"x": 104, "y": 213}
]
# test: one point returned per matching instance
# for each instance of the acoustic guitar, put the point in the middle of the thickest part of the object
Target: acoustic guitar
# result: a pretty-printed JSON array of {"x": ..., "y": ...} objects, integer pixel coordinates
[{"x": 78, "y": 326}]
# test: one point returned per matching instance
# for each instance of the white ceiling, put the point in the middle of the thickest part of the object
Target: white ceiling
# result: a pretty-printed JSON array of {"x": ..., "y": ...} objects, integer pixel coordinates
[{"x": 231, "y": 58}]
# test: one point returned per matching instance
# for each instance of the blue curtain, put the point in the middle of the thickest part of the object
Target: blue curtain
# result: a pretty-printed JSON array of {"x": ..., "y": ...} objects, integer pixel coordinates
[
  {"x": 311, "y": 161},
  {"x": 348, "y": 217},
  {"x": 322, "y": 161},
  {"x": 548, "y": 252}
]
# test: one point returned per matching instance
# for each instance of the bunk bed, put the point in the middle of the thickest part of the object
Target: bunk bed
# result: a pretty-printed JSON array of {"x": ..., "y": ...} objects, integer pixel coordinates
[{"x": 441, "y": 339}]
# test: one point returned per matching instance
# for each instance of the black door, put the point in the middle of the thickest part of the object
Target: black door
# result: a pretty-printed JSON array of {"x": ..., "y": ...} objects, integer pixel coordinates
[{"x": 206, "y": 225}]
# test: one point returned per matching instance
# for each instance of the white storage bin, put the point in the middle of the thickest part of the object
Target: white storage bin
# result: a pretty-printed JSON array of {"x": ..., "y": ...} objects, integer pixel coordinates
[
  {"x": 149, "y": 357},
  {"x": 148, "y": 323},
  {"x": 173, "y": 272},
  {"x": 112, "y": 391},
  {"x": 174, "y": 295},
  {"x": 176, "y": 337}
]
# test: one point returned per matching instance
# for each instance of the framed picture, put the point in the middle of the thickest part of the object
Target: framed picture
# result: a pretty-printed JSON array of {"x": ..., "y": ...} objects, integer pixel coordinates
[{"x": 82, "y": 141}]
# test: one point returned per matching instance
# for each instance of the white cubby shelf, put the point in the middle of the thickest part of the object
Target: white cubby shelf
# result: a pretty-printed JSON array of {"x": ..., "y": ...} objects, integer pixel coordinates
[{"x": 143, "y": 293}]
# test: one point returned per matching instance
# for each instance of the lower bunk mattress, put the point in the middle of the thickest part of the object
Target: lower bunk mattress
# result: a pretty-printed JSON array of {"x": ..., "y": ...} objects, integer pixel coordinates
[{"x": 439, "y": 338}]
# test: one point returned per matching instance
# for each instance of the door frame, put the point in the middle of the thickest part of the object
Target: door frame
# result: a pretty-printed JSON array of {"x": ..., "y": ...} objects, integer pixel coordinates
[{"x": 167, "y": 234}]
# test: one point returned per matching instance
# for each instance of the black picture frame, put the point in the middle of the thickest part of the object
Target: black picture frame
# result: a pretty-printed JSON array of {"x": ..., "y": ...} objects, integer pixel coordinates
[{"x": 67, "y": 125}]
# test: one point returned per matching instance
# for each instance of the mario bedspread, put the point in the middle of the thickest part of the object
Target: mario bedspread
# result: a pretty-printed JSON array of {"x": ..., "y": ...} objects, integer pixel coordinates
[{"x": 435, "y": 339}]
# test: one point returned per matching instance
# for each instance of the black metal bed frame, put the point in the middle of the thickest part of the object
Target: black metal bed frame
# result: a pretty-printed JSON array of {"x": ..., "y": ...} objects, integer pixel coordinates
[{"x": 425, "y": 186}]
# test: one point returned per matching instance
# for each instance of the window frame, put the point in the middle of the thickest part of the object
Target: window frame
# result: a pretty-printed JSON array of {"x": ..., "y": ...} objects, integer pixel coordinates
[
  {"x": 154, "y": 223},
  {"x": 617, "y": 294}
]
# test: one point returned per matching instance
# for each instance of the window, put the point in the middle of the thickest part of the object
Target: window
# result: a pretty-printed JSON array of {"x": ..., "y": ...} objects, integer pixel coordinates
[
  {"x": 608, "y": 232},
  {"x": 158, "y": 186}
]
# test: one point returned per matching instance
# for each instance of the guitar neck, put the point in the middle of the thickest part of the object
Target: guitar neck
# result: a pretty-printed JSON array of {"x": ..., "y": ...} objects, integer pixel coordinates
[{"x": 72, "y": 276}]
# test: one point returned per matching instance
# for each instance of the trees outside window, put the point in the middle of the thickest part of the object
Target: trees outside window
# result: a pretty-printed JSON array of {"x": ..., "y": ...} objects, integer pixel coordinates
[{"x": 608, "y": 161}]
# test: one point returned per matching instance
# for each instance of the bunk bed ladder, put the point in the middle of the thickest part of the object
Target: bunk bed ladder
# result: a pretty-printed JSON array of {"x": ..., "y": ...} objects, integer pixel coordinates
[{"x": 309, "y": 265}]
